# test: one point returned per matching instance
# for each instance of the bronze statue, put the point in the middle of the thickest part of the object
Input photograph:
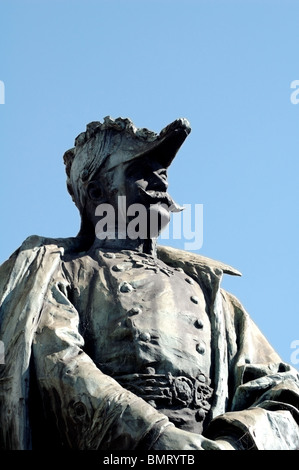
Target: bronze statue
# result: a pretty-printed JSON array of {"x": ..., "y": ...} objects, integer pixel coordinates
[{"x": 112, "y": 342}]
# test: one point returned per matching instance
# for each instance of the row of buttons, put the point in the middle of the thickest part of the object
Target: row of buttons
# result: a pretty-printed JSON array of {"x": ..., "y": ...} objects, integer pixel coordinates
[{"x": 125, "y": 287}]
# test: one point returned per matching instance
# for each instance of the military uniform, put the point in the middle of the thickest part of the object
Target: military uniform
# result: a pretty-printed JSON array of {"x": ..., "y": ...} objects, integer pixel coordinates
[
  {"x": 147, "y": 325},
  {"x": 119, "y": 345}
]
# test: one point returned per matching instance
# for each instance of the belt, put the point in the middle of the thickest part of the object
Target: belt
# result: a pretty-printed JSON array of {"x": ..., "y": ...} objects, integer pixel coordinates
[{"x": 167, "y": 391}]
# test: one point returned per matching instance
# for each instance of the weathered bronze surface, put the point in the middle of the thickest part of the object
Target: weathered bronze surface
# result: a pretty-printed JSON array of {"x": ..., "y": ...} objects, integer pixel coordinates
[{"x": 112, "y": 342}]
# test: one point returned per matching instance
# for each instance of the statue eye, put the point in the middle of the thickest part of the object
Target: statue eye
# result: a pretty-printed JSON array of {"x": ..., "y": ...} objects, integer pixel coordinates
[
  {"x": 135, "y": 171},
  {"x": 94, "y": 191}
]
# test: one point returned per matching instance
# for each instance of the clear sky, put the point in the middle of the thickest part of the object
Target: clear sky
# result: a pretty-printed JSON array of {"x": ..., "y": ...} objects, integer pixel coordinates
[{"x": 227, "y": 66}]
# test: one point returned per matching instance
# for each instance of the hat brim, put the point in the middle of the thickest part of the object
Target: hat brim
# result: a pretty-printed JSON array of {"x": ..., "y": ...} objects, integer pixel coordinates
[{"x": 168, "y": 143}]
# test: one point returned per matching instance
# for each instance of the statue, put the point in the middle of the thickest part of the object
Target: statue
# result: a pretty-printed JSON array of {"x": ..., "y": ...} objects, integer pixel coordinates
[{"x": 114, "y": 343}]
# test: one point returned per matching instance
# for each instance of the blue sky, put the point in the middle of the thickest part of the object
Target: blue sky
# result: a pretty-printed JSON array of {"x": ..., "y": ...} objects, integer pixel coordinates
[{"x": 226, "y": 66}]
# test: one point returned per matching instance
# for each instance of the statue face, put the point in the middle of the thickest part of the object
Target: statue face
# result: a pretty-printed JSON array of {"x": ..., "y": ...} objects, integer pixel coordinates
[
  {"x": 146, "y": 184},
  {"x": 131, "y": 179},
  {"x": 137, "y": 193},
  {"x": 115, "y": 165}
]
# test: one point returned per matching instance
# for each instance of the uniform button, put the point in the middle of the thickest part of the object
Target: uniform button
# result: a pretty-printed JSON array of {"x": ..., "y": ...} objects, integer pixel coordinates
[
  {"x": 122, "y": 267},
  {"x": 125, "y": 287},
  {"x": 198, "y": 323},
  {"x": 144, "y": 336},
  {"x": 200, "y": 348},
  {"x": 189, "y": 280},
  {"x": 118, "y": 267},
  {"x": 134, "y": 311},
  {"x": 201, "y": 378},
  {"x": 194, "y": 299}
]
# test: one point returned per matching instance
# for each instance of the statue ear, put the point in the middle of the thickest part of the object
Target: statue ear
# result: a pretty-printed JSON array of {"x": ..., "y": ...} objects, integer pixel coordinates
[{"x": 95, "y": 191}]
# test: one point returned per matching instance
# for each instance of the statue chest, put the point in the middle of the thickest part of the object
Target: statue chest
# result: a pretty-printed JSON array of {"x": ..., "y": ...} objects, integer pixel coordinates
[{"x": 139, "y": 315}]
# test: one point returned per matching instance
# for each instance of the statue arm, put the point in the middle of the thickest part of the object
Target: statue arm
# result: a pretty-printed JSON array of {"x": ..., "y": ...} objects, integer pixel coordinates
[
  {"x": 92, "y": 409},
  {"x": 263, "y": 411}
]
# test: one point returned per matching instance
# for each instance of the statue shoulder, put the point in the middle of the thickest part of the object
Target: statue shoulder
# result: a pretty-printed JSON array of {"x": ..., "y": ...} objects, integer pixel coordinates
[
  {"x": 29, "y": 250},
  {"x": 186, "y": 260},
  {"x": 36, "y": 241}
]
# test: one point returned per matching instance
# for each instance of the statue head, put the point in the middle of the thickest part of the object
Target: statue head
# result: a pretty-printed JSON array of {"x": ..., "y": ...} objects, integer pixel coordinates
[{"x": 113, "y": 160}]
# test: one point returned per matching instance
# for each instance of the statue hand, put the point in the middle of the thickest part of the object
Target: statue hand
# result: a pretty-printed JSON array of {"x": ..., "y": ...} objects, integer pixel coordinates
[{"x": 173, "y": 438}]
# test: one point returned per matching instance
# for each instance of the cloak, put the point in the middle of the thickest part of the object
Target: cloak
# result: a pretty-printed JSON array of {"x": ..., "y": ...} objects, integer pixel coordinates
[{"x": 255, "y": 398}]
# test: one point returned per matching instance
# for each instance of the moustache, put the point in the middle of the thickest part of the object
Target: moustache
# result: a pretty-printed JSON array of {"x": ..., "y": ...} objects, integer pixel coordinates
[{"x": 160, "y": 197}]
